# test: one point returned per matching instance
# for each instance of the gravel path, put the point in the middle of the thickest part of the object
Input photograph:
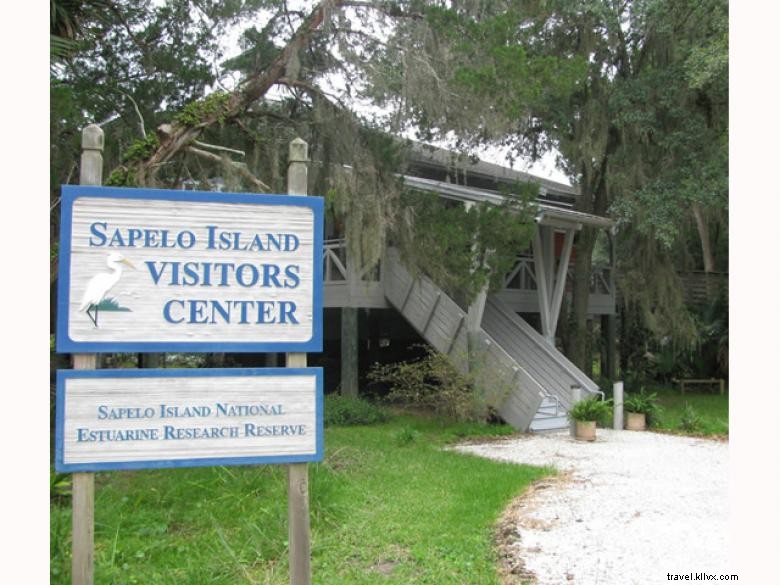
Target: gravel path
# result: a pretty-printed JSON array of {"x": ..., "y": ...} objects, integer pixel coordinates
[{"x": 631, "y": 508}]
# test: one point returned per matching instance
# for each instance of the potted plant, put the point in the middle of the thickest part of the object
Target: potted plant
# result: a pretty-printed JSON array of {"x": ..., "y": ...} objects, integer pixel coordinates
[
  {"x": 585, "y": 414},
  {"x": 640, "y": 410}
]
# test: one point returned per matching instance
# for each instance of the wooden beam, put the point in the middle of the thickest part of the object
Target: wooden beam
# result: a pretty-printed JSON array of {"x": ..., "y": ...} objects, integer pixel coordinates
[
  {"x": 548, "y": 242},
  {"x": 476, "y": 310},
  {"x": 560, "y": 279},
  {"x": 430, "y": 315},
  {"x": 455, "y": 335},
  {"x": 541, "y": 287}
]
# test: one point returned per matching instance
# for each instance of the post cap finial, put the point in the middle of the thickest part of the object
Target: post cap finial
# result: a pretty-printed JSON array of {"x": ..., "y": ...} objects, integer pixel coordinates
[
  {"x": 92, "y": 137},
  {"x": 299, "y": 150}
]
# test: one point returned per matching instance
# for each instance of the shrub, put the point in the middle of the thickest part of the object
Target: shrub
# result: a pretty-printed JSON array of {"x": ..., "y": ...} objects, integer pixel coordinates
[
  {"x": 591, "y": 409},
  {"x": 691, "y": 421},
  {"x": 59, "y": 486},
  {"x": 406, "y": 436},
  {"x": 347, "y": 411},
  {"x": 643, "y": 403},
  {"x": 433, "y": 384}
]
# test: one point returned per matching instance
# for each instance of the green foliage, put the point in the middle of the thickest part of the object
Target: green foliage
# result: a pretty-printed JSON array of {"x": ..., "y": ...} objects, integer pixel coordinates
[
  {"x": 591, "y": 409},
  {"x": 141, "y": 149},
  {"x": 643, "y": 403},
  {"x": 432, "y": 384},
  {"x": 634, "y": 97},
  {"x": 406, "y": 436},
  {"x": 259, "y": 50},
  {"x": 711, "y": 409},
  {"x": 59, "y": 486},
  {"x": 463, "y": 250},
  {"x": 214, "y": 105},
  {"x": 691, "y": 421},
  {"x": 347, "y": 411},
  {"x": 121, "y": 177}
]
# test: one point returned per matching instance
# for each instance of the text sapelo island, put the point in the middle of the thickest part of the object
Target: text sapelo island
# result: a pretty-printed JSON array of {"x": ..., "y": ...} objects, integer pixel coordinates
[
  {"x": 212, "y": 274},
  {"x": 172, "y": 422}
]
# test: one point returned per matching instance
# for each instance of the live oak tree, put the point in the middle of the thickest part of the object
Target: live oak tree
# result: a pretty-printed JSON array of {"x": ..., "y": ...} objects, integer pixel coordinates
[{"x": 632, "y": 94}]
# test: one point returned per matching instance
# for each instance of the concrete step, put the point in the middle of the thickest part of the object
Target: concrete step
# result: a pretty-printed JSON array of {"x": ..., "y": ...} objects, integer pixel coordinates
[{"x": 554, "y": 423}]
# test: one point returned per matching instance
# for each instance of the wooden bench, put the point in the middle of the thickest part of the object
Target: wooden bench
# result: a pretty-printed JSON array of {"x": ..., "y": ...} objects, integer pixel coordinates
[{"x": 710, "y": 381}]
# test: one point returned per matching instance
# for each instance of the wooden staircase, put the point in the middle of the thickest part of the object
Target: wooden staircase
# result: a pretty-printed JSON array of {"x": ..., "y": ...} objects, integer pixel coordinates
[{"x": 527, "y": 381}]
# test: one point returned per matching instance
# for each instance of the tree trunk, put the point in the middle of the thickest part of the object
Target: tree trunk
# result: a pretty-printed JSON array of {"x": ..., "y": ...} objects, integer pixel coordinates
[
  {"x": 349, "y": 351},
  {"x": 577, "y": 347},
  {"x": 704, "y": 237}
]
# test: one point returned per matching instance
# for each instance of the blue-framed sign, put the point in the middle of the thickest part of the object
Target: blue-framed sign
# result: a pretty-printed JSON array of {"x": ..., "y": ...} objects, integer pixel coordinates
[
  {"x": 154, "y": 270},
  {"x": 162, "y": 418}
]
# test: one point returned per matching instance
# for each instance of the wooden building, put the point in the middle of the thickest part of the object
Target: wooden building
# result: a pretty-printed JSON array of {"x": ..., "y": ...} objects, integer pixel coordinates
[{"x": 532, "y": 382}]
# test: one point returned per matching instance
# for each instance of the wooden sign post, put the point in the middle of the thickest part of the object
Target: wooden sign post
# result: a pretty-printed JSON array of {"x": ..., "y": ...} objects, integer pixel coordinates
[
  {"x": 83, "y": 502},
  {"x": 151, "y": 270},
  {"x": 298, "y": 473}
]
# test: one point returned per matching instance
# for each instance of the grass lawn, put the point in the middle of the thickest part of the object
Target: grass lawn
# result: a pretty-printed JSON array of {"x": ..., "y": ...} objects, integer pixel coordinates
[
  {"x": 388, "y": 505},
  {"x": 712, "y": 408}
]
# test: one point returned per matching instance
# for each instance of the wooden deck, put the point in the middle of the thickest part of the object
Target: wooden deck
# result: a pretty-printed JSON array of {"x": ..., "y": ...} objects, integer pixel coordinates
[{"x": 519, "y": 294}]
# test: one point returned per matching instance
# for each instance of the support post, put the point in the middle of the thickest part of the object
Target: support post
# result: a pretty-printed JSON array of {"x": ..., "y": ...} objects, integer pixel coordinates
[
  {"x": 298, "y": 473},
  {"x": 548, "y": 246},
  {"x": 609, "y": 327},
  {"x": 540, "y": 270},
  {"x": 560, "y": 279},
  {"x": 349, "y": 351},
  {"x": 617, "y": 397},
  {"x": 83, "y": 501},
  {"x": 576, "y": 396},
  {"x": 474, "y": 317}
]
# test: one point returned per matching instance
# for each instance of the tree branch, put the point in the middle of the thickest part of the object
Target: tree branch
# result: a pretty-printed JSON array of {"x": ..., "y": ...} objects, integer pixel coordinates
[
  {"x": 218, "y": 147},
  {"x": 239, "y": 167},
  {"x": 142, "y": 124},
  {"x": 255, "y": 87}
]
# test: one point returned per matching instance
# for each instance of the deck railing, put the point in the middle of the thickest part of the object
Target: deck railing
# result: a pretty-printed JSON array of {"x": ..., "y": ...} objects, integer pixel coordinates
[
  {"x": 337, "y": 264},
  {"x": 523, "y": 277}
]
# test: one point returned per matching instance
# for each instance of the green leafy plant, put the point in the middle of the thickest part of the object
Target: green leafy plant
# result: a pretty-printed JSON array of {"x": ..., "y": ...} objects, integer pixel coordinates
[
  {"x": 591, "y": 409},
  {"x": 348, "y": 411},
  {"x": 691, "y": 421},
  {"x": 198, "y": 112},
  {"x": 59, "y": 486},
  {"x": 406, "y": 436},
  {"x": 121, "y": 177},
  {"x": 141, "y": 149},
  {"x": 433, "y": 384},
  {"x": 643, "y": 403}
]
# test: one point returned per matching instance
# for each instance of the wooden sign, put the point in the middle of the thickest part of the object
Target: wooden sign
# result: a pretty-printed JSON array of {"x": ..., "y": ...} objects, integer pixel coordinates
[
  {"x": 151, "y": 270},
  {"x": 138, "y": 419}
]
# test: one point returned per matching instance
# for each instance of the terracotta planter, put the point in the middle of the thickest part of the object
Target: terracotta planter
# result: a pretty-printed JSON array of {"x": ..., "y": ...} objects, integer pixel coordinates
[
  {"x": 585, "y": 430},
  {"x": 636, "y": 421}
]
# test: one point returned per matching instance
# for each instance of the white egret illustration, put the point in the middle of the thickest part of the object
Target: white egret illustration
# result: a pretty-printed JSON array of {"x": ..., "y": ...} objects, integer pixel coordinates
[{"x": 99, "y": 285}]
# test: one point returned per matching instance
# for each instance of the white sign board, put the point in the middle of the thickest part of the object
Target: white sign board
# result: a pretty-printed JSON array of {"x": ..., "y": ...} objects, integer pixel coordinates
[
  {"x": 161, "y": 270},
  {"x": 136, "y": 419}
]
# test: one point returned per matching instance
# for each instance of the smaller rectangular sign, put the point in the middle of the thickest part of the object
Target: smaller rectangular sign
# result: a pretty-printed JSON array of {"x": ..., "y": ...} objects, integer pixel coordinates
[{"x": 140, "y": 419}]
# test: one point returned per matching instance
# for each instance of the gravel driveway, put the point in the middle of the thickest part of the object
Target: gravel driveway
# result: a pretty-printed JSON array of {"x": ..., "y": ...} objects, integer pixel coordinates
[{"x": 629, "y": 507}]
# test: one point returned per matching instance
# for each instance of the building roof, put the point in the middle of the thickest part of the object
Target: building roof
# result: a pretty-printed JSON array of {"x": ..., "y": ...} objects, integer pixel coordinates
[
  {"x": 547, "y": 214},
  {"x": 471, "y": 172}
]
